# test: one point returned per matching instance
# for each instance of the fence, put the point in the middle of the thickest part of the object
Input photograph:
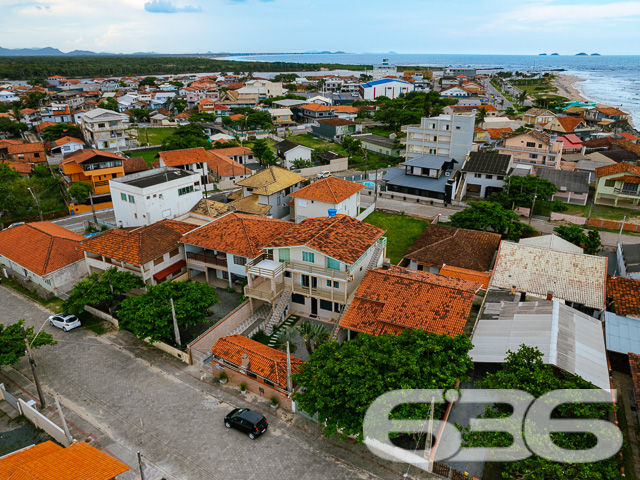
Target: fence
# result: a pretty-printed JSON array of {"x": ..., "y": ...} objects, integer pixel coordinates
[
  {"x": 597, "y": 222},
  {"x": 365, "y": 213},
  {"x": 567, "y": 218},
  {"x": 11, "y": 400},
  {"x": 102, "y": 315}
]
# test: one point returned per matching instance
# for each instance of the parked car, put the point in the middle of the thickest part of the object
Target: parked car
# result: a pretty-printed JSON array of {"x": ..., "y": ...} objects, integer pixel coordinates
[
  {"x": 324, "y": 174},
  {"x": 65, "y": 321},
  {"x": 252, "y": 423}
]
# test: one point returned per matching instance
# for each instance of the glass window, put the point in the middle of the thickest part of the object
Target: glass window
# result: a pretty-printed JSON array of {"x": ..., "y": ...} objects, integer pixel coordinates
[
  {"x": 297, "y": 298},
  {"x": 333, "y": 264},
  {"x": 123, "y": 196},
  {"x": 489, "y": 177},
  {"x": 185, "y": 190},
  {"x": 131, "y": 199},
  {"x": 609, "y": 183},
  {"x": 304, "y": 280},
  {"x": 328, "y": 283},
  {"x": 278, "y": 201},
  {"x": 531, "y": 145},
  {"x": 239, "y": 260},
  {"x": 308, "y": 257},
  {"x": 326, "y": 305},
  {"x": 174, "y": 253},
  {"x": 336, "y": 284},
  {"x": 284, "y": 254}
]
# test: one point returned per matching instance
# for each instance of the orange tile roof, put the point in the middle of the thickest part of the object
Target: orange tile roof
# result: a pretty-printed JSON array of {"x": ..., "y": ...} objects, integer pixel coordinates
[
  {"x": 568, "y": 124},
  {"x": 237, "y": 116},
  {"x": 441, "y": 245},
  {"x": 496, "y": 133},
  {"x": 10, "y": 463},
  {"x": 139, "y": 245},
  {"x": 233, "y": 151},
  {"x": 81, "y": 156},
  {"x": 4, "y": 143},
  {"x": 134, "y": 164},
  {"x": 627, "y": 145},
  {"x": 65, "y": 140},
  {"x": 330, "y": 190},
  {"x": 629, "y": 136},
  {"x": 610, "y": 111},
  {"x": 41, "y": 247},
  {"x": 21, "y": 167},
  {"x": 265, "y": 361},
  {"x": 26, "y": 148},
  {"x": 341, "y": 237},
  {"x": 223, "y": 166},
  {"x": 624, "y": 294},
  {"x": 186, "y": 156},
  {"x": 481, "y": 277},
  {"x": 315, "y": 107},
  {"x": 344, "y": 109},
  {"x": 617, "y": 168},
  {"x": 238, "y": 234},
  {"x": 390, "y": 301},
  {"x": 79, "y": 461}
]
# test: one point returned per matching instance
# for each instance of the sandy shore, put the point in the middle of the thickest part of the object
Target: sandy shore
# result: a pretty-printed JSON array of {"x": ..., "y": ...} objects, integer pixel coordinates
[{"x": 565, "y": 86}]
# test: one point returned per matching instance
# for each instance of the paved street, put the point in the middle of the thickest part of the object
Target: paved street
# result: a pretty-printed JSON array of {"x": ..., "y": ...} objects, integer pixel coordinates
[
  {"x": 128, "y": 397},
  {"x": 77, "y": 223}
]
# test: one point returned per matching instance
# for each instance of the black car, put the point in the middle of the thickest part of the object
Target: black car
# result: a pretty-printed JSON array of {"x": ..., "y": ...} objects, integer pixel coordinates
[{"x": 247, "y": 421}]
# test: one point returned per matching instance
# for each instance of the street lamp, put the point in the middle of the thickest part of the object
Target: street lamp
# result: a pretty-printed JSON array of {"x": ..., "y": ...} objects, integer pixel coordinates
[{"x": 37, "y": 203}]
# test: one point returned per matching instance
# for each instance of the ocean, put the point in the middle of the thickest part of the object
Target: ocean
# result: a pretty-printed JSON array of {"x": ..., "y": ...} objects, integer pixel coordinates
[{"x": 613, "y": 80}]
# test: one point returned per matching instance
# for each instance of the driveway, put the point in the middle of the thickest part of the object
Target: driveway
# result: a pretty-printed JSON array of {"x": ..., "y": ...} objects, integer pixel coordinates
[
  {"x": 127, "y": 397},
  {"x": 76, "y": 223}
]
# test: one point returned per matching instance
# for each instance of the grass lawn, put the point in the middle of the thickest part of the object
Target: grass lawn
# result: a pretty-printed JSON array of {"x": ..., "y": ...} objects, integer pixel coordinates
[
  {"x": 156, "y": 134},
  {"x": 604, "y": 212},
  {"x": 314, "y": 142},
  {"x": 532, "y": 89},
  {"x": 402, "y": 231},
  {"x": 382, "y": 131},
  {"x": 270, "y": 142}
]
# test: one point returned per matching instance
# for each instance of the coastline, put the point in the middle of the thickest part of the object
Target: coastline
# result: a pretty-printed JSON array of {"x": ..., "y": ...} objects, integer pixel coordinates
[{"x": 565, "y": 85}]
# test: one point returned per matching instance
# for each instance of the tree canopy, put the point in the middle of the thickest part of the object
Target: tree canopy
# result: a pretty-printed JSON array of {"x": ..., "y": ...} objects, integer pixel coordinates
[
  {"x": 263, "y": 153},
  {"x": 519, "y": 191},
  {"x": 12, "y": 347},
  {"x": 491, "y": 216},
  {"x": 589, "y": 242},
  {"x": 149, "y": 315},
  {"x": 59, "y": 130},
  {"x": 341, "y": 381},
  {"x": 186, "y": 136},
  {"x": 9, "y": 127},
  {"x": 80, "y": 191},
  {"x": 109, "y": 103},
  {"x": 410, "y": 108}
]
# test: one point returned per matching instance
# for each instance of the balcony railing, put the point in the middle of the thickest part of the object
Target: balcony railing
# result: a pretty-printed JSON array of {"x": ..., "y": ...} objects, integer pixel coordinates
[
  {"x": 207, "y": 259},
  {"x": 622, "y": 191},
  {"x": 339, "y": 297},
  {"x": 253, "y": 267},
  {"x": 541, "y": 151},
  {"x": 314, "y": 270},
  {"x": 264, "y": 292}
]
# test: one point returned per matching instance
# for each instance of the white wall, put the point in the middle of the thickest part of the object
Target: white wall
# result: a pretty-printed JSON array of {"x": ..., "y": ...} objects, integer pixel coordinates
[
  {"x": 296, "y": 153},
  {"x": 305, "y": 208}
]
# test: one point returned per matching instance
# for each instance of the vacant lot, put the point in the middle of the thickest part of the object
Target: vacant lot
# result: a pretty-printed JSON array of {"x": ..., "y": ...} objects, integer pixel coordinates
[{"x": 402, "y": 231}]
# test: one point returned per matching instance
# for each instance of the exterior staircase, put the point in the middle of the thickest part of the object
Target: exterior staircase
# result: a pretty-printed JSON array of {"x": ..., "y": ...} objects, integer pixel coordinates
[
  {"x": 258, "y": 316},
  {"x": 373, "y": 263},
  {"x": 276, "y": 314}
]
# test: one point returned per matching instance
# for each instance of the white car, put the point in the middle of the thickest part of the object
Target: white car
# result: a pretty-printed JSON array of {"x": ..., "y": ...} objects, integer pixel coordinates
[
  {"x": 324, "y": 174},
  {"x": 65, "y": 321}
]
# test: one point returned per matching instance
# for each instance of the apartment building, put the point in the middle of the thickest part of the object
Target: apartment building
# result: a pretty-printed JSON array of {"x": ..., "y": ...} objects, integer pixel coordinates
[
  {"x": 533, "y": 148},
  {"x": 104, "y": 129},
  {"x": 444, "y": 135}
]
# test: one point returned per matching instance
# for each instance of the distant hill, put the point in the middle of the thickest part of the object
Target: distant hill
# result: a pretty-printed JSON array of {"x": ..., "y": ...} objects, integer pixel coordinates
[{"x": 54, "y": 52}]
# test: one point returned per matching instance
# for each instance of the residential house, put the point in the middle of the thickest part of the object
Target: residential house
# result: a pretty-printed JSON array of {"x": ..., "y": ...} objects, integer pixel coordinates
[
  {"x": 444, "y": 135},
  {"x": 467, "y": 72},
  {"x": 262, "y": 88},
  {"x": 440, "y": 245},
  {"x": 385, "y": 87},
  {"x": 632, "y": 138},
  {"x": 454, "y": 92},
  {"x": 552, "y": 242},
  {"x": 281, "y": 117},
  {"x": 532, "y": 148},
  {"x": 235, "y": 99},
  {"x": 32, "y": 153},
  {"x": 570, "y": 143},
  {"x": 428, "y": 176},
  {"x": 152, "y": 252},
  {"x": 56, "y": 113},
  {"x": 618, "y": 182},
  {"x": 345, "y": 112},
  {"x": 147, "y": 197},
  {"x": 242, "y": 155},
  {"x": 314, "y": 266},
  {"x": 44, "y": 254},
  {"x": 49, "y": 460},
  {"x": 538, "y": 116},
  {"x": 495, "y": 135},
  {"x": 604, "y": 115},
  {"x": 334, "y": 129},
  {"x": 326, "y": 196},
  {"x": 573, "y": 187},
  {"x": 320, "y": 100},
  {"x": 567, "y": 338},
  {"x": 267, "y": 192},
  {"x": 622, "y": 296},
  {"x": 225, "y": 171},
  {"x": 483, "y": 174},
  {"x": 289, "y": 151},
  {"x": 104, "y": 129},
  {"x": 590, "y": 166},
  {"x": 378, "y": 144},
  {"x": 566, "y": 125},
  {"x": 134, "y": 165},
  {"x": 94, "y": 167},
  {"x": 542, "y": 272},
  {"x": 261, "y": 368},
  {"x": 312, "y": 112},
  {"x": 67, "y": 145},
  {"x": 7, "y": 96},
  {"x": 390, "y": 301},
  {"x": 221, "y": 249},
  {"x": 628, "y": 260},
  {"x": 190, "y": 159}
]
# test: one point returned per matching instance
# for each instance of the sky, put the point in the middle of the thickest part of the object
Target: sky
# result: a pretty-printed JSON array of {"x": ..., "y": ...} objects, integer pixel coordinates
[{"x": 356, "y": 26}]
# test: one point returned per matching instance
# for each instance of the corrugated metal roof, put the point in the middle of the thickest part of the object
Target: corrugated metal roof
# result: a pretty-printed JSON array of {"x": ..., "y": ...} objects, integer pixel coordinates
[
  {"x": 552, "y": 242},
  {"x": 622, "y": 333},
  {"x": 568, "y": 339}
]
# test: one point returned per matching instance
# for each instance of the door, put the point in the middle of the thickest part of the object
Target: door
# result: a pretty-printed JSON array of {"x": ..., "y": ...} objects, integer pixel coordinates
[{"x": 314, "y": 306}]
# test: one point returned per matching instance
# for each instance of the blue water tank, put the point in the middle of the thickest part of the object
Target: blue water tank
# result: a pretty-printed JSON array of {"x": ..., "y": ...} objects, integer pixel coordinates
[
  {"x": 72, "y": 212},
  {"x": 332, "y": 212}
]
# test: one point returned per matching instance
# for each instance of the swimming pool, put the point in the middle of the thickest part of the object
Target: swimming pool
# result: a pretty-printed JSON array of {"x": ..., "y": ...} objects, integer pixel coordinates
[{"x": 367, "y": 184}]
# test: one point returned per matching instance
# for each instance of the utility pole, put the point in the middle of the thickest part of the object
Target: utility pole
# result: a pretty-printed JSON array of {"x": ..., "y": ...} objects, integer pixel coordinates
[
  {"x": 140, "y": 466},
  {"x": 33, "y": 368},
  {"x": 37, "y": 203},
  {"x": 176, "y": 331},
  {"x": 533, "y": 204},
  {"x": 64, "y": 422},
  {"x": 620, "y": 232},
  {"x": 289, "y": 381},
  {"x": 93, "y": 210}
]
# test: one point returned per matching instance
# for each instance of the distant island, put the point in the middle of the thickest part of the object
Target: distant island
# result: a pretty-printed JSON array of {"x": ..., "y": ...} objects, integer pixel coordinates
[
  {"x": 595, "y": 54},
  {"x": 555, "y": 54},
  {"x": 542, "y": 54},
  {"x": 581, "y": 54}
]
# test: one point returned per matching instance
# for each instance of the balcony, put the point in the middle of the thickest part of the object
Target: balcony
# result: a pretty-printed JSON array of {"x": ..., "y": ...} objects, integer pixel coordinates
[
  {"x": 628, "y": 193},
  {"x": 334, "y": 296},
  {"x": 541, "y": 151},
  {"x": 106, "y": 128},
  {"x": 314, "y": 270},
  {"x": 207, "y": 259},
  {"x": 264, "y": 266},
  {"x": 263, "y": 291}
]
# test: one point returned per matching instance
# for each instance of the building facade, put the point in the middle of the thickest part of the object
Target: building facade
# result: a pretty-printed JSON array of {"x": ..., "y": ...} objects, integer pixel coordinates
[{"x": 444, "y": 135}]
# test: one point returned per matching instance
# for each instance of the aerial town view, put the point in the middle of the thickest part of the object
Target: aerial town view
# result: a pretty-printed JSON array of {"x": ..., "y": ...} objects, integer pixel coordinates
[{"x": 278, "y": 240}]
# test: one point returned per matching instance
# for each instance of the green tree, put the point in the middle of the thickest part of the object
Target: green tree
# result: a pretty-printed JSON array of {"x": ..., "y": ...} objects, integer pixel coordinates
[
  {"x": 351, "y": 145},
  {"x": 484, "y": 215},
  {"x": 176, "y": 83},
  {"x": 519, "y": 191},
  {"x": 149, "y": 315},
  {"x": 227, "y": 144},
  {"x": 525, "y": 370},
  {"x": 341, "y": 381},
  {"x": 59, "y": 130},
  {"x": 178, "y": 104},
  {"x": 287, "y": 334},
  {"x": 34, "y": 99},
  {"x": 589, "y": 242},
  {"x": 306, "y": 332},
  {"x": 80, "y": 191},
  {"x": 301, "y": 163},
  {"x": 103, "y": 290},
  {"x": 140, "y": 115},
  {"x": 109, "y": 103},
  {"x": 285, "y": 77},
  {"x": 262, "y": 151},
  {"x": 522, "y": 96},
  {"x": 202, "y": 117},
  {"x": 186, "y": 136},
  {"x": 12, "y": 128},
  {"x": 481, "y": 115},
  {"x": 12, "y": 347},
  {"x": 151, "y": 81},
  {"x": 319, "y": 335}
]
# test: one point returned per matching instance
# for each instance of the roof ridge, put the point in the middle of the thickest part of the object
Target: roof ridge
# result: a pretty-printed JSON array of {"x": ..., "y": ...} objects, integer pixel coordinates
[{"x": 244, "y": 228}]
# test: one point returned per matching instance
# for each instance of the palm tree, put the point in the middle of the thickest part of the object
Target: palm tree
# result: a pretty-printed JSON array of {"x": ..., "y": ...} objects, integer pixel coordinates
[
  {"x": 319, "y": 335},
  {"x": 522, "y": 97},
  {"x": 480, "y": 116},
  {"x": 287, "y": 334},
  {"x": 306, "y": 332}
]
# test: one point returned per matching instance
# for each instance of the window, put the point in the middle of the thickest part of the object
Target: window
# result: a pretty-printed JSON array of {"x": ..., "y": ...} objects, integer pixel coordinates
[
  {"x": 251, "y": 375},
  {"x": 531, "y": 145},
  {"x": 477, "y": 175},
  {"x": 284, "y": 254},
  {"x": 158, "y": 261},
  {"x": 333, "y": 264},
  {"x": 297, "y": 298},
  {"x": 457, "y": 127},
  {"x": 173, "y": 253},
  {"x": 239, "y": 260},
  {"x": 123, "y": 196},
  {"x": 336, "y": 284},
  {"x": 533, "y": 155},
  {"x": 489, "y": 177},
  {"x": 308, "y": 257},
  {"x": 326, "y": 305},
  {"x": 609, "y": 183},
  {"x": 131, "y": 199},
  {"x": 329, "y": 283},
  {"x": 278, "y": 201},
  {"x": 267, "y": 382},
  {"x": 337, "y": 307},
  {"x": 287, "y": 274},
  {"x": 500, "y": 177},
  {"x": 185, "y": 190}
]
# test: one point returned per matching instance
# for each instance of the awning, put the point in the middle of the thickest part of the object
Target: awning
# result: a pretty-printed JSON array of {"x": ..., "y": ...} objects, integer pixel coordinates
[{"x": 176, "y": 267}]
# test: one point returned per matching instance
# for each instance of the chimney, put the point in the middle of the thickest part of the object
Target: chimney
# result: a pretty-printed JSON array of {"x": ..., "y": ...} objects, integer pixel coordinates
[
  {"x": 245, "y": 362},
  {"x": 549, "y": 295}
]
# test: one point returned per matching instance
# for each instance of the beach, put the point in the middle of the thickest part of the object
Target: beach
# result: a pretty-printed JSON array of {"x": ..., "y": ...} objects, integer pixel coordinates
[{"x": 565, "y": 85}]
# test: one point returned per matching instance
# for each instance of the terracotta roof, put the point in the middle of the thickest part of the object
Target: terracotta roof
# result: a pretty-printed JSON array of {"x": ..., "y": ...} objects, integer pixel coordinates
[
  {"x": 629, "y": 136},
  {"x": 186, "y": 156},
  {"x": 627, "y": 179},
  {"x": 627, "y": 145},
  {"x": 604, "y": 142},
  {"x": 238, "y": 234},
  {"x": 315, "y": 107},
  {"x": 624, "y": 293},
  {"x": 250, "y": 205},
  {"x": 441, "y": 245},
  {"x": 577, "y": 110},
  {"x": 329, "y": 190},
  {"x": 271, "y": 180},
  {"x": 41, "y": 247},
  {"x": 535, "y": 134},
  {"x": 480, "y": 277},
  {"x": 139, "y": 245},
  {"x": 568, "y": 124},
  {"x": 344, "y": 109},
  {"x": 21, "y": 167},
  {"x": 336, "y": 122},
  {"x": 212, "y": 208},
  {"x": 237, "y": 116},
  {"x": 341, "y": 237},
  {"x": 134, "y": 164},
  {"x": 233, "y": 151},
  {"x": 617, "y": 168},
  {"x": 81, "y": 156},
  {"x": 25, "y": 148},
  {"x": 12, "y": 462},
  {"x": 65, "y": 140},
  {"x": 390, "y": 301},
  {"x": 265, "y": 361},
  {"x": 223, "y": 166},
  {"x": 634, "y": 364},
  {"x": 610, "y": 111},
  {"x": 79, "y": 461},
  {"x": 4, "y": 143}
]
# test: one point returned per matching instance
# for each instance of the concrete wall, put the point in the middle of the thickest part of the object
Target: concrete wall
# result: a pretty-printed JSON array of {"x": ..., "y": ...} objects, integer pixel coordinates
[
  {"x": 337, "y": 165},
  {"x": 42, "y": 422},
  {"x": 305, "y": 208},
  {"x": 102, "y": 315},
  {"x": 568, "y": 218},
  {"x": 65, "y": 278},
  {"x": 179, "y": 354}
]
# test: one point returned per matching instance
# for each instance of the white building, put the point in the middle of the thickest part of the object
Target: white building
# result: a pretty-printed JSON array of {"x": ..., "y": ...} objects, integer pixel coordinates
[
  {"x": 324, "y": 195},
  {"x": 104, "y": 129},
  {"x": 444, "y": 135},
  {"x": 147, "y": 197},
  {"x": 7, "y": 97},
  {"x": 289, "y": 151},
  {"x": 484, "y": 174},
  {"x": 386, "y": 87},
  {"x": 384, "y": 69}
]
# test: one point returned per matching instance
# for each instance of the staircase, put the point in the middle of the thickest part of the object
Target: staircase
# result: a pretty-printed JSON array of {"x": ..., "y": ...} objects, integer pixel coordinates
[
  {"x": 373, "y": 263},
  {"x": 278, "y": 309},
  {"x": 258, "y": 316}
]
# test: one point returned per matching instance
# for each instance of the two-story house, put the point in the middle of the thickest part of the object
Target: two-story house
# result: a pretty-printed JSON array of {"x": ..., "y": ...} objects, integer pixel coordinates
[
  {"x": 67, "y": 145},
  {"x": 565, "y": 125},
  {"x": 334, "y": 128},
  {"x": 289, "y": 151},
  {"x": 324, "y": 196},
  {"x": 94, "y": 167},
  {"x": 532, "y": 148},
  {"x": 483, "y": 174},
  {"x": 104, "y": 129},
  {"x": 242, "y": 155},
  {"x": 190, "y": 159},
  {"x": 444, "y": 135},
  {"x": 312, "y": 112},
  {"x": 56, "y": 113},
  {"x": 538, "y": 116},
  {"x": 281, "y": 117},
  {"x": 153, "y": 252},
  {"x": 604, "y": 114},
  {"x": 618, "y": 183},
  {"x": 32, "y": 153}
]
